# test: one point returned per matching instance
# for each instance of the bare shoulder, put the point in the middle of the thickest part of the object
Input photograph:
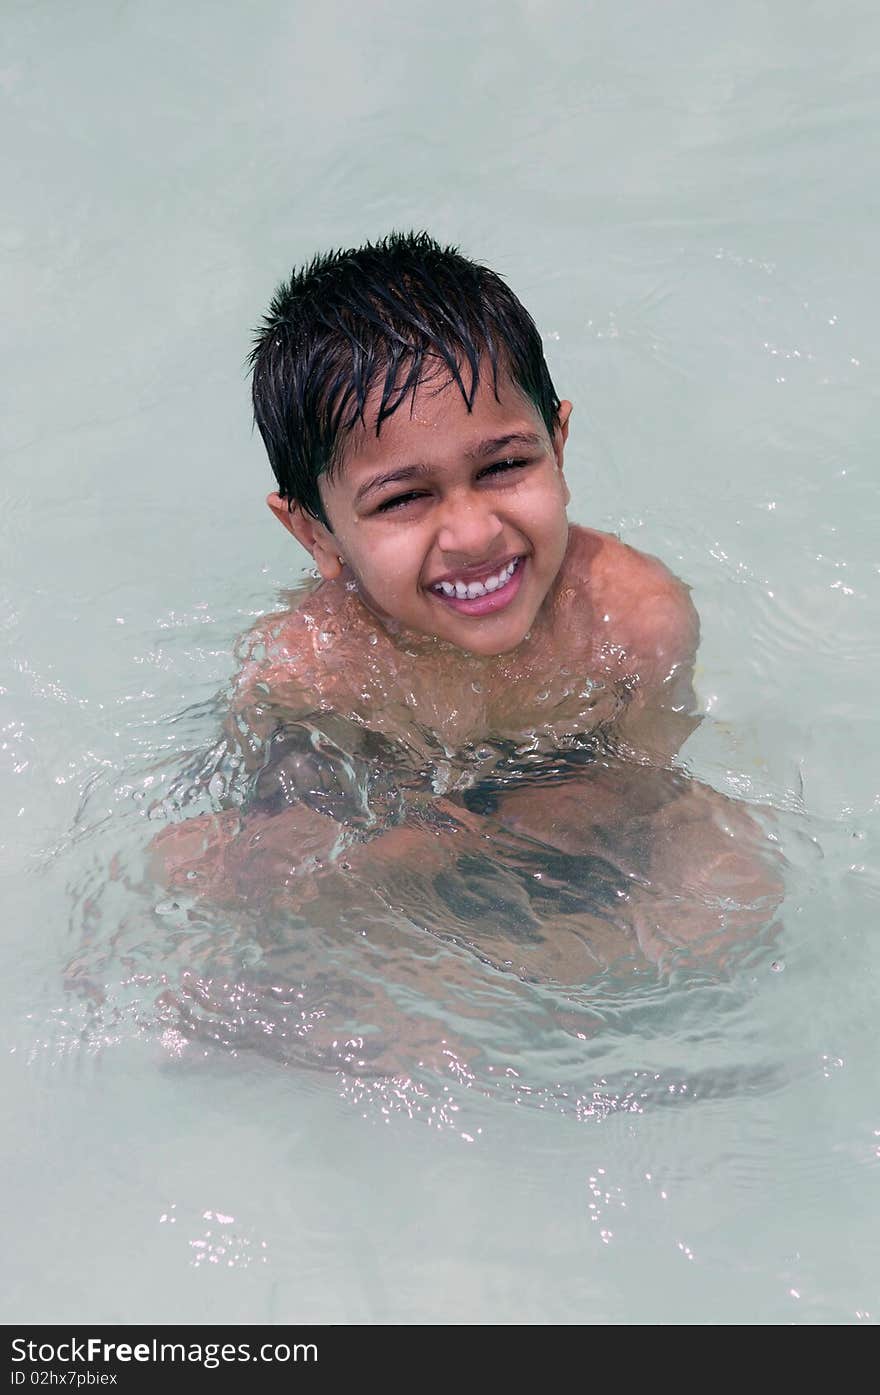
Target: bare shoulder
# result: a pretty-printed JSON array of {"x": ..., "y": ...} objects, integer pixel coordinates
[
  {"x": 276, "y": 652},
  {"x": 305, "y": 657},
  {"x": 642, "y": 611},
  {"x": 290, "y": 657},
  {"x": 279, "y": 680}
]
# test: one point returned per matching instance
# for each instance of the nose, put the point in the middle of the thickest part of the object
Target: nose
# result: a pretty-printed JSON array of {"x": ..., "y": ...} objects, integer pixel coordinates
[{"x": 468, "y": 527}]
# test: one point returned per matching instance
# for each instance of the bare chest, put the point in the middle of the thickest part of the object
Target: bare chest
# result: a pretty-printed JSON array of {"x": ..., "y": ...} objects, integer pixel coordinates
[
  {"x": 457, "y": 700},
  {"x": 559, "y": 682}
]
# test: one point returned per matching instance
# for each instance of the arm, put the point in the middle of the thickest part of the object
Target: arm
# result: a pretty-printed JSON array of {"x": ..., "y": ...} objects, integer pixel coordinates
[
  {"x": 287, "y": 858},
  {"x": 701, "y": 871},
  {"x": 715, "y": 876},
  {"x": 697, "y": 872}
]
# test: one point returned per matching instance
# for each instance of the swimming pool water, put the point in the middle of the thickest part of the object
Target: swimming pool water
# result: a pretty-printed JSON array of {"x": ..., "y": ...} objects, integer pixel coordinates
[{"x": 685, "y": 198}]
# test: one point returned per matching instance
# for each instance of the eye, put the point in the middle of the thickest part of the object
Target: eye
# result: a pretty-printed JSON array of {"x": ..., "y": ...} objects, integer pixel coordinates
[
  {"x": 388, "y": 505},
  {"x": 503, "y": 466}
]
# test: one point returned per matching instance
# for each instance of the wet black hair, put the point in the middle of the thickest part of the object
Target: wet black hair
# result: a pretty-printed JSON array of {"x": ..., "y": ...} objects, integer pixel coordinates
[{"x": 394, "y": 312}]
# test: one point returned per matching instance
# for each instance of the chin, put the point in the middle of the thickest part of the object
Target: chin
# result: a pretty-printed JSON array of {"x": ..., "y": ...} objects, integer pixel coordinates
[{"x": 491, "y": 649}]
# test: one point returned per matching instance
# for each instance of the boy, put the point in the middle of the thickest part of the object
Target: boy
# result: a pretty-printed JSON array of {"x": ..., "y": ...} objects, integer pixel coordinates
[{"x": 418, "y": 446}]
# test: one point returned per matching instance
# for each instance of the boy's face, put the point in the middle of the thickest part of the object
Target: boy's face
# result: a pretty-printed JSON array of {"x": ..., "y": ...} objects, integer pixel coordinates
[{"x": 452, "y": 522}]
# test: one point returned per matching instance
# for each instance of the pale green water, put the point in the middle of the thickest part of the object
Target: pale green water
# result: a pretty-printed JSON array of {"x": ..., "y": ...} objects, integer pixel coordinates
[{"x": 686, "y": 198}]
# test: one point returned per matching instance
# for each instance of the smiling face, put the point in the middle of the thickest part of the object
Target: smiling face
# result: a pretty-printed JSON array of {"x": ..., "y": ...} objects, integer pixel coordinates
[{"x": 452, "y": 522}]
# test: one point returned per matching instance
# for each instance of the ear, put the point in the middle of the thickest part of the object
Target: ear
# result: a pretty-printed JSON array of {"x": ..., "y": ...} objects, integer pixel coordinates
[
  {"x": 560, "y": 434},
  {"x": 311, "y": 534}
]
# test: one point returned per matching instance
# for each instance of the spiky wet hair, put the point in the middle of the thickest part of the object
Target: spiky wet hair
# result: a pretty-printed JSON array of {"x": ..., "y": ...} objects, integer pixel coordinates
[{"x": 389, "y": 314}]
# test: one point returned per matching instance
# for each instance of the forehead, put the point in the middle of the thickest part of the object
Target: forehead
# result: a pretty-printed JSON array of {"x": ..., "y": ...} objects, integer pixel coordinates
[{"x": 434, "y": 424}]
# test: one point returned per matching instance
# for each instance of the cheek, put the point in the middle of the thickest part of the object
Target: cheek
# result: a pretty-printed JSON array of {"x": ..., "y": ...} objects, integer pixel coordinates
[
  {"x": 389, "y": 565},
  {"x": 546, "y": 497},
  {"x": 560, "y": 486},
  {"x": 545, "y": 514}
]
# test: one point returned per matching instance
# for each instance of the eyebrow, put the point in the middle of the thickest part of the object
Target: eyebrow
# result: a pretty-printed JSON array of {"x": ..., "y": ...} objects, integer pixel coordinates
[{"x": 406, "y": 473}]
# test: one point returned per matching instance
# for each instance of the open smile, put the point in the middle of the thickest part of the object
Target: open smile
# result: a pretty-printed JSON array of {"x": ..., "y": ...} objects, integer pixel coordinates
[{"x": 482, "y": 597}]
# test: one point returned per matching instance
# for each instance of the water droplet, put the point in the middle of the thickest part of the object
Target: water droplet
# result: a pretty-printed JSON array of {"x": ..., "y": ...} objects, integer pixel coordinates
[
  {"x": 167, "y": 907},
  {"x": 777, "y": 966},
  {"x": 372, "y": 638},
  {"x": 477, "y": 687},
  {"x": 216, "y": 786}
]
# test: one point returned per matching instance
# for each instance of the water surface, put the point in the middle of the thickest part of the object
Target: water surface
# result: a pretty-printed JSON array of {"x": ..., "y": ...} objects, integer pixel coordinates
[{"x": 685, "y": 199}]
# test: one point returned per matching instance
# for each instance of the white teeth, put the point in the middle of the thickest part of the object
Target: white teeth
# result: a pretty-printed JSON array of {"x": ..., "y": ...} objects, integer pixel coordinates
[{"x": 464, "y": 591}]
